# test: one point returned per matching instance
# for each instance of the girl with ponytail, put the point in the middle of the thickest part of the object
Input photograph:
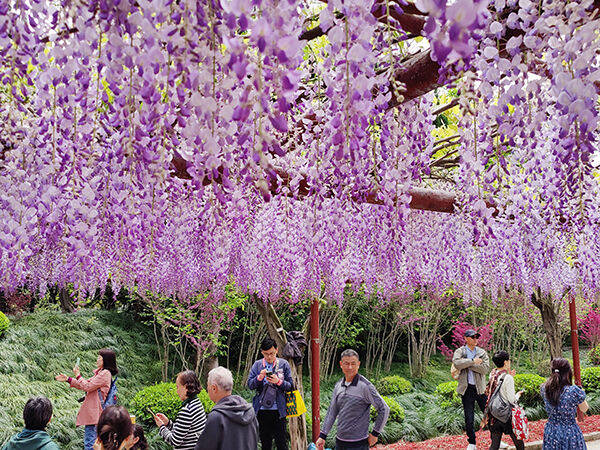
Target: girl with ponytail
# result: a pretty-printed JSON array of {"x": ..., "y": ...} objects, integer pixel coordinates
[
  {"x": 561, "y": 400},
  {"x": 115, "y": 430}
]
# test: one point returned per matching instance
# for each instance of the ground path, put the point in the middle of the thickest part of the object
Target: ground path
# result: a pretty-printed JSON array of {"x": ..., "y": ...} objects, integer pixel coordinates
[{"x": 589, "y": 425}]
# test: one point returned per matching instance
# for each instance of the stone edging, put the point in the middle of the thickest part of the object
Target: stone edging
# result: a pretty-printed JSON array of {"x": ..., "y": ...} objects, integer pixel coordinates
[{"x": 537, "y": 445}]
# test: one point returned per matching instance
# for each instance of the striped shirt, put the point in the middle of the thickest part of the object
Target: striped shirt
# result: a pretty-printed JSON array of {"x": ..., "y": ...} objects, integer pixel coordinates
[{"x": 187, "y": 428}]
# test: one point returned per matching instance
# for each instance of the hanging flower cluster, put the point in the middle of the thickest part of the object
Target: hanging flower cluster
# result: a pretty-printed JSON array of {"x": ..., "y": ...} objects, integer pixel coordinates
[{"x": 175, "y": 146}]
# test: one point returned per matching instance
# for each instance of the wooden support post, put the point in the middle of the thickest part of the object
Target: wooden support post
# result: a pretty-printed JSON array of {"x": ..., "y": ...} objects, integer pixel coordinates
[
  {"x": 314, "y": 368},
  {"x": 575, "y": 348}
]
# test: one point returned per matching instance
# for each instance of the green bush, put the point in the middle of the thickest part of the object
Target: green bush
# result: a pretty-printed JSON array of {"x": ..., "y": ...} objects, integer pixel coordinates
[
  {"x": 397, "y": 413},
  {"x": 4, "y": 323},
  {"x": 530, "y": 384},
  {"x": 590, "y": 379},
  {"x": 447, "y": 393},
  {"x": 593, "y": 355},
  {"x": 162, "y": 398},
  {"x": 206, "y": 401},
  {"x": 393, "y": 385}
]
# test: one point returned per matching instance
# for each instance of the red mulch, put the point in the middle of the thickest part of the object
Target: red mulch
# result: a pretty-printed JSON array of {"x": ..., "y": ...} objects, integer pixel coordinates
[{"x": 536, "y": 432}]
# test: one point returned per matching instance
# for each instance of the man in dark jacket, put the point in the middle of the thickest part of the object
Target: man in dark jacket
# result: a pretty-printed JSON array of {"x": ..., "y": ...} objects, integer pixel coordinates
[
  {"x": 271, "y": 378},
  {"x": 36, "y": 414},
  {"x": 231, "y": 424}
]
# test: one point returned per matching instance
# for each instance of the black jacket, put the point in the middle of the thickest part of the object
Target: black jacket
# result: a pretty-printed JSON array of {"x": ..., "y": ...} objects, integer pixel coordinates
[{"x": 231, "y": 425}]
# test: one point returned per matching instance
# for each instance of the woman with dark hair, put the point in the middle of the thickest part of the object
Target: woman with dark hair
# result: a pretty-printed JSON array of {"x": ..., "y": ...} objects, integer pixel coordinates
[
  {"x": 191, "y": 420},
  {"x": 562, "y": 399},
  {"x": 96, "y": 387},
  {"x": 139, "y": 439},
  {"x": 501, "y": 379},
  {"x": 115, "y": 430}
]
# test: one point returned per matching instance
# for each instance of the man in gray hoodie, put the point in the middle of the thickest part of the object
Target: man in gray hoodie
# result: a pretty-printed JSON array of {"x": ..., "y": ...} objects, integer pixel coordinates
[
  {"x": 36, "y": 414},
  {"x": 231, "y": 424}
]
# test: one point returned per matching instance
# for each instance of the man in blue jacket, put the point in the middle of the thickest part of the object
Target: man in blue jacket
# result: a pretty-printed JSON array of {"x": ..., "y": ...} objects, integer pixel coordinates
[
  {"x": 271, "y": 378},
  {"x": 36, "y": 414}
]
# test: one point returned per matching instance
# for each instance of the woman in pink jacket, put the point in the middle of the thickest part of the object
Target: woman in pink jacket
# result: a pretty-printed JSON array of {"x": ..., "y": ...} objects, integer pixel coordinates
[{"x": 91, "y": 408}]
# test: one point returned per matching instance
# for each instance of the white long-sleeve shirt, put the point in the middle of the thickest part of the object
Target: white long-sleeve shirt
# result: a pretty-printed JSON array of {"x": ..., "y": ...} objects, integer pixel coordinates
[{"x": 507, "y": 390}]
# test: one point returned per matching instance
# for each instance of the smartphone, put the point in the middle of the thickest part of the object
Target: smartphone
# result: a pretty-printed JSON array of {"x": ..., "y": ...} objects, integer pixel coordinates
[
  {"x": 269, "y": 373},
  {"x": 77, "y": 362}
]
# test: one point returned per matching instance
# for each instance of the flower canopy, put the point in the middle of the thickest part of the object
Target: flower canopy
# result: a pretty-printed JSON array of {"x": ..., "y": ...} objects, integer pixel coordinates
[{"x": 177, "y": 145}]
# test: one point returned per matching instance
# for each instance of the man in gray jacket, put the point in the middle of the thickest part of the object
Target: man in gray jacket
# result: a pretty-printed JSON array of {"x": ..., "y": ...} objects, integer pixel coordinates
[
  {"x": 231, "y": 424},
  {"x": 351, "y": 404},
  {"x": 474, "y": 364}
]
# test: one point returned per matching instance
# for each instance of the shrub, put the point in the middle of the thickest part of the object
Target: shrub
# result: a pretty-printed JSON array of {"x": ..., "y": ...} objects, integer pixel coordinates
[
  {"x": 590, "y": 328},
  {"x": 447, "y": 393},
  {"x": 4, "y": 323},
  {"x": 206, "y": 401},
  {"x": 397, "y": 413},
  {"x": 594, "y": 355},
  {"x": 162, "y": 398},
  {"x": 590, "y": 379},
  {"x": 530, "y": 384},
  {"x": 393, "y": 385}
]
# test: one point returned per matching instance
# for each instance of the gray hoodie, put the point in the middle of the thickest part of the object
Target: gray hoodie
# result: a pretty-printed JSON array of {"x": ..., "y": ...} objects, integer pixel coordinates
[{"x": 231, "y": 425}]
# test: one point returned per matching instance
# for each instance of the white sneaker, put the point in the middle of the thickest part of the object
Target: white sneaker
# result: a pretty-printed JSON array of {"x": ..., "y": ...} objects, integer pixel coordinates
[
  {"x": 503, "y": 445},
  {"x": 471, "y": 447}
]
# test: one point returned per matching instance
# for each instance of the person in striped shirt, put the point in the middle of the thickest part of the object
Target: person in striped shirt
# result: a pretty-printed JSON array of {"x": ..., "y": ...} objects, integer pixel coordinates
[{"x": 191, "y": 420}]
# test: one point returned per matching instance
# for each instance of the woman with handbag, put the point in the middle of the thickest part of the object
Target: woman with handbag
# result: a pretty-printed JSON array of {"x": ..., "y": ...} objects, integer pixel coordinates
[
  {"x": 91, "y": 408},
  {"x": 498, "y": 411},
  {"x": 562, "y": 399}
]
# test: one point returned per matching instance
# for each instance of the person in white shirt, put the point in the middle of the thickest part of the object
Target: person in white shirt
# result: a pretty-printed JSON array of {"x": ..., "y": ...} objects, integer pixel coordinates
[{"x": 502, "y": 376}]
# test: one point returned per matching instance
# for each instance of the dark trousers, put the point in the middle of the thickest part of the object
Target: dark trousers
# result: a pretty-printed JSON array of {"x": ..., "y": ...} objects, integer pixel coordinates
[
  {"x": 360, "y": 445},
  {"x": 498, "y": 428},
  {"x": 271, "y": 426},
  {"x": 469, "y": 398}
]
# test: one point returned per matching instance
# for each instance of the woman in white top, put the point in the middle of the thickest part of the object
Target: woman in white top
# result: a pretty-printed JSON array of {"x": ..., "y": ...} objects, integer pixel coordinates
[{"x": 502, "y": 373}]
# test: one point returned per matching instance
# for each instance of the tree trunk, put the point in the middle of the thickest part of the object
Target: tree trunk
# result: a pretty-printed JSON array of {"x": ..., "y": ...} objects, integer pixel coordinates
[
  {"x": 297, "y": 425},
  {"x": 549, "y": 312},
  {"x": 205, "y": 364},
  {"x": 66, "y": 303}
]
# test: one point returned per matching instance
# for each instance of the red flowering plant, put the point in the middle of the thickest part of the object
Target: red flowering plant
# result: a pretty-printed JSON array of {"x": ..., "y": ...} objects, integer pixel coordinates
[
  {"x": 589, "y": 328},
  {"x": 486, "y": 334}
]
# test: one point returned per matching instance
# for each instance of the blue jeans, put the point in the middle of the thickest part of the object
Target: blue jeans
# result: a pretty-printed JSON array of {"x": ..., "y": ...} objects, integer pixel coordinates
[{"x": 89, "y": 437}]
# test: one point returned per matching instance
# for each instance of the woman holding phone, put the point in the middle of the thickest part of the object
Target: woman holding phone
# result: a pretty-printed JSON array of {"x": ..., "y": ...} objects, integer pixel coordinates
[
  {"x": 99, "y": 383},
  {"x": 191, "y": 420}
]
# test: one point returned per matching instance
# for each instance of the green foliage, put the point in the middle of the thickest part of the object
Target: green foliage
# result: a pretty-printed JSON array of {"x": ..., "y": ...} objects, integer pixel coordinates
[
  {"x": 593, "y": 355},
  {"x": 530, "y": 384},
  {"x": 4, "y": 323},
  {"x": 397, "y": 413},
  {"x": 447, "y": 393},
  {"x": 206, "y": 401},
  {"x": 160, "y": 398},
  {"x": 163, "y": 398},
  {"x": 39, "y": 345},
  {"x": 590, "y": 379},
  {"x": 393, "y": 385}
]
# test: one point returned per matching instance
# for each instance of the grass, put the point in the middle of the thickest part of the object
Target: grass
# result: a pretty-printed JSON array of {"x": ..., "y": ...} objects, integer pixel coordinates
[{"x": 39, "y": 345}]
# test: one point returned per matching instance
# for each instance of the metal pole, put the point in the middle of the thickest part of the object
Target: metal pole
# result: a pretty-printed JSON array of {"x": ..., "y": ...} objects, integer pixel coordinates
[
  {"x": 314, "y": 369},
  {"x": 575, "y": 348}
]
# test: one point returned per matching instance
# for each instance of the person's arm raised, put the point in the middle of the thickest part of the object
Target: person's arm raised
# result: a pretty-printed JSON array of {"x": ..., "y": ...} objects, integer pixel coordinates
[{"x": 102, "y": 378}]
